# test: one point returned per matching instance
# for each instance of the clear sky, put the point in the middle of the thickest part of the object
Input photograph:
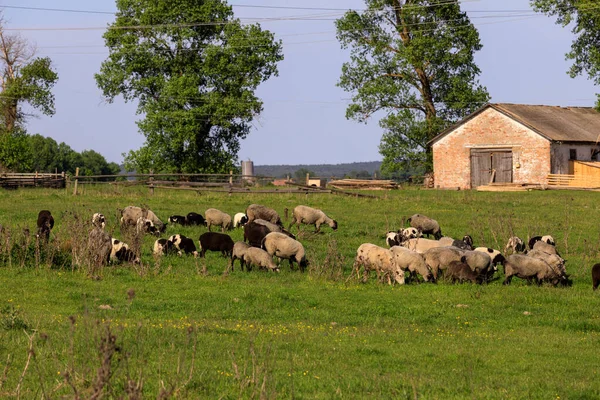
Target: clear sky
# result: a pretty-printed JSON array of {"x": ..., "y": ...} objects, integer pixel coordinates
[{"x": 522, "y": 61}]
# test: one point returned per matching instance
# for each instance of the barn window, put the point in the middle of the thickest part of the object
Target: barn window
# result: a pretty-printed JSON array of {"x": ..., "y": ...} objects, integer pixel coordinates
[{"x": 572, "y": 154}]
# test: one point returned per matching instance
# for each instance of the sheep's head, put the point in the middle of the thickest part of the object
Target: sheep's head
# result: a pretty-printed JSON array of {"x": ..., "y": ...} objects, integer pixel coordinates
[{"x": 334, "y": 224}]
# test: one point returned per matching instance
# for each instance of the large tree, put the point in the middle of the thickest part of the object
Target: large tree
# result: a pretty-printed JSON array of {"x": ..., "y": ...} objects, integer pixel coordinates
[
  {"x": 584, "y": 17},
  {"x": 413, "y": 61},
  {"x": 193, "y": 69}
]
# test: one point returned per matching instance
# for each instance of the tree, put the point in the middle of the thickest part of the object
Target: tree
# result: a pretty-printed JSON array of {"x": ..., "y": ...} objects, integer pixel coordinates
[
  {"x": 94, "y": 163},
  {"x": 584, "y": 16},
  {"x": 412, "y": 60},
  {"x": 300, "y": 174},
  {"x": 193, "y": 68}
]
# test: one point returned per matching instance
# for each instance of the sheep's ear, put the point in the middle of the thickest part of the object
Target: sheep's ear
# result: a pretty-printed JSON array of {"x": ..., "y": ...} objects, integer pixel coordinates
[{"x": 463, "y": 259}]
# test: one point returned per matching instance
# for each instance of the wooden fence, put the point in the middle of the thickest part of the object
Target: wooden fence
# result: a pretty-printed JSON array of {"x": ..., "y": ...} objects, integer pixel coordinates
[
  {"x": 16, "y": 180},
  {"x": 574, "y": 181}
]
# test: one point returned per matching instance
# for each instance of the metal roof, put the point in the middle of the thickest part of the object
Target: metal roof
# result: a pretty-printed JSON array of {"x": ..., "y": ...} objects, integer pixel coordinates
[{"x": 559, "y": 124}]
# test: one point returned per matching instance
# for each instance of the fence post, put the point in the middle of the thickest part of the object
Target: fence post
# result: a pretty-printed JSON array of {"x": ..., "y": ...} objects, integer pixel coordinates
[
  {"x": 307, "y": 177},
  {"x": 230, "y": 177},
  {"x": 150, "y": 182},
  {"x": 76, "y": 181}
]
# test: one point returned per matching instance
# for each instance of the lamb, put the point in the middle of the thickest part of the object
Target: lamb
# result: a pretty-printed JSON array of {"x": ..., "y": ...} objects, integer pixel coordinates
[
  {"x": 280, "y": 245},
  {"x": 409, "y": 233},
  {"x": 515, "y": 244},
  {"x": 546, "y": 239},
  {"x": 595, "y": 276},
  {"x": 371, "y": 257},
  {"x": 163, "y": 246},
  {"x": 121, "y": 252},
  {"x": 217, "y": 218},
  {"x": 393, "y": 239},
  {"x": 438, "y": 258},
  {"x": 131, "y": 214},
  {"x": 183, "y": 244},
  {"x": 421, "y": 245},
  {"x": 98, "y": 220},
  {"x": 526, "y": 267},
  {"x": 144, "y": 225},
  {"x": 257, "y": 211},
  {"x": 426, "y": 225},
  {"x": 240, "y": 219},
  {"x": 256, "y": 257},
  {"x": 45, "y": 223},
  {"x": 466, "y": 243},
  {"x": 495, "y": 255},
  {"x": 411, "y": 261},
  {"x": 177, "y": 219},
  {"x": 460, "y": 271},
  {"x": 215, "y": 241},
  {"x": 195, "y": 219},
  {"x": 311, "y": 216},
  {"x": 238, "y": 253}
]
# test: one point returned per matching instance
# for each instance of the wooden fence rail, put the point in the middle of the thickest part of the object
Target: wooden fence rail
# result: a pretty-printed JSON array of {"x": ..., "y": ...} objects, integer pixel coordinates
[{"x": 578, "y": 181}]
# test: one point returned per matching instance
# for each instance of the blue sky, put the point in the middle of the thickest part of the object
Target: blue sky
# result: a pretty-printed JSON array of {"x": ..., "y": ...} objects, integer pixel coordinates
[{"x": 522, "y": 61}]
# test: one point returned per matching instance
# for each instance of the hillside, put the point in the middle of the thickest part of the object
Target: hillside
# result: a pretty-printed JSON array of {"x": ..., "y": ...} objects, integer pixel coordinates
[{"x": 321, "y": 170}]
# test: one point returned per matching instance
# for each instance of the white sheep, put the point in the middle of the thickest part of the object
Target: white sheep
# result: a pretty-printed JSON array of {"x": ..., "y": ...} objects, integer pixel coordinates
[
  {"x": 411, "y": 261},
  {"x": 255, "y": 257},
  {"x": 374, "y": 258},
  {"x": 393, "y": 239},
  {"x": 131, "y": 214},
  {"x": 239, "y": 219},
  {"x": 311, "y": 216},
  {"x": 217, "y": 218},
  {"x": 495, "y": 255},
  {"x": 409, "y": 233},
  {"x": 238, "y": 253},
  {"x": 281, "y": 245},
  {"x": 421, "y": 245}
]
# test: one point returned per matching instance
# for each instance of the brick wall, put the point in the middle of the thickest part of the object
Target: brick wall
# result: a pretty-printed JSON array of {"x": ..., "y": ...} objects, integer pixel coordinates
[{"x": 490, "y": 129}]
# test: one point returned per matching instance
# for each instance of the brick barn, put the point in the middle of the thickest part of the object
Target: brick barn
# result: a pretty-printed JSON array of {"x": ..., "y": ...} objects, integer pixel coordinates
[{"x": 514, "y": 143}]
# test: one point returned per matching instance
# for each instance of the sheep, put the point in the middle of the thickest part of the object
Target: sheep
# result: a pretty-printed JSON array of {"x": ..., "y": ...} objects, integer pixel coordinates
[
  {"x": 311, "y": 216},
  {"x": 409, "y": 233},
  {"x": 131, "y": 214},
  {"x": 240, "y": 219},
  {"x": 163, "y": 246},
  {"x": 546, "y": 239},
  {"x": 195, "y": 219},
  {"x": 545, "y": 247},
  {"x": 515, "y": 244},
  {"x": 421, "y": 245},
  {"x": 479, "y": 262},
  {"x": 121, "y": 252},
  {"x": 280, "y": 245},
  {"x": 177, "y": 219},
  {"x": 372, "y": 257},
  {"x": 215, "y": 241},
  {"x": 438, "y": 258},
  {"x": 495, "y": 255},
  {"x": 238, "y": 253},
  {"x": 393, "y": 239},
  {"x": 595, "y": 276},
  {"x": 217, "y": 218},
  {"x": 45, "y": 223},
  {"x": 273, "y": 227},
  {"x": 256, "y": 257},
  {"x": 99, "y": 247},
  {"x": 460, "y": 271},
  {"x": 446, "y": 240},
  {"x": 98, "y": 220},
  {"x": 144, "y": 225},
  {"x": 256, "y": 211},
  {"x": 183, "y": 244},
  {"x": 554, "y": 260},
  {"x": 426, "y": 225},
  {"x": 466, "y": 243},
  {"x": 411, "y": 261},
  {"x": 526, "y": 267},
  {"x": 255, "y": 231}
]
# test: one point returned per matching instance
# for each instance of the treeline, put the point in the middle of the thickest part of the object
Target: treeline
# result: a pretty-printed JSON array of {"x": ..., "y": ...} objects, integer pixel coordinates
[
  {"x": 357, "y": 169},
  {"x": 20, "y": 152}
]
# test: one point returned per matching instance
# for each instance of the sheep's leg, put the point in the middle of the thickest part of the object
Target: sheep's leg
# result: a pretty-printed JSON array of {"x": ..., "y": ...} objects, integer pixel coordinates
[{"x": 317, "y": 227}]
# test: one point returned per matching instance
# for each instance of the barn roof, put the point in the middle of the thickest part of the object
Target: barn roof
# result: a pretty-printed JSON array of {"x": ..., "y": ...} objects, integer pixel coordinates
[{"x": 555, "y": 123}]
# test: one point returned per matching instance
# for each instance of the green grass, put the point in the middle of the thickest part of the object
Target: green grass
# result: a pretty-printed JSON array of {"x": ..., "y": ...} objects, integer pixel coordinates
[{"x": 182, "y": 332}]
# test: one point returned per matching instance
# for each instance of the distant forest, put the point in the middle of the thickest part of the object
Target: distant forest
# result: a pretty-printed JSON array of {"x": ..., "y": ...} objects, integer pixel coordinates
[{"x": 352, "y": 170}]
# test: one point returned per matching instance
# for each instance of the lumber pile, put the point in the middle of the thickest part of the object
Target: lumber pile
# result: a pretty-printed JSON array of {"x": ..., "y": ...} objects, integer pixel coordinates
[
  {"x": 363, "y": 184},
  {"x": 508, "y": 187}
]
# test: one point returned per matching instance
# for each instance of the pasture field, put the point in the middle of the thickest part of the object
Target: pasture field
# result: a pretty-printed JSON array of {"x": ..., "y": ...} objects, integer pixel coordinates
[{"x": 178, "y": 327}]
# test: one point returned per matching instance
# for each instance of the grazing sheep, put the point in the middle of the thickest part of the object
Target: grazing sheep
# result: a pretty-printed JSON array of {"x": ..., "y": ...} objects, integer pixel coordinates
[
  {"x": 240, "y": 219},
  {"x": 131, "y": 214},
  {"x": 120, "y": 252},
  {"x": 238, "y": 253},
  {"x": 460, "y": 271},
  {"x": 163, "y": 247},
  {"x": 177, "y": 219},
  {"x": 144, "y": 225},
  {"x": 215, "y": 241},
  {"x": 374, "y": 258},
  {"x": 438, "y": 258},
  {"x": 426, "y": 225},
  {"x": 446, "y": 240},
  {"x": 195, "y": 219},
  {"x": 546, "y": 239},
  {"x": 99, "y": 247},
  {"x": 409, "y": 233},
  {"x": 256, "y": 211},
  {"x": 479, "y": 262},
  {"x": 412, "y": 261},
  {"x": 280, "y": 245},
  {"x": 98, "y": 220},
  {"x": 183, "y": 244},
  {"x": 311, "y": 216},
  {"x": 256, "y": 257},
  {"x": 495, "y": 255},
  {"x": 545, "y": 247},
  {"x": 393, "y": 239},
  {"x": 217, "y": 218},
  {"x": 515, "y": 244},
  {"x": 466, "y": 243},
  {"x": 554, "y": 260},
  {"x": 421, "y": 245},
  {"x": 45, "y": 223},
  {"x": 526, "y": 267},
  {"x": 595, "y": 276},
  {"x": 273, "y": 227},
  {"x": 255, "y": 231}
]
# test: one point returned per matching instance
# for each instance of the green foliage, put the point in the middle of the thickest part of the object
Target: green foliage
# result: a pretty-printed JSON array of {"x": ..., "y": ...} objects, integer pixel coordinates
[
  {"x": 15, "y": 152},
  {"x": 414, "y": 61},
  {"x": 94, "y": 163},
  {"x": 10, "y": 318},
  {"x": 584, "y": 17},
  {"x": 323, "y": 170},
  {"x": 194, "y": 74},
  {"x": 300, "y": 174}
]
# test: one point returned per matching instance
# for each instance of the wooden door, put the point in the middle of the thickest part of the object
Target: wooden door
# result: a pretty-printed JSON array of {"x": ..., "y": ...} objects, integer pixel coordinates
[
  {"x": 481, "y": 167},
  {"x": 502, "y": 163}
]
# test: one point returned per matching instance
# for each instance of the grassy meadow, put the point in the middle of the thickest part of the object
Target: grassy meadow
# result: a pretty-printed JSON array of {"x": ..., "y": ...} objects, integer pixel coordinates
[{"x": 179, "y": 327}]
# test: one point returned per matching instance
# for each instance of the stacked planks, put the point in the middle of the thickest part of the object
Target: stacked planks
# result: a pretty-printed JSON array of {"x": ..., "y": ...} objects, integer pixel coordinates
[{"x": 363, "y": 184}]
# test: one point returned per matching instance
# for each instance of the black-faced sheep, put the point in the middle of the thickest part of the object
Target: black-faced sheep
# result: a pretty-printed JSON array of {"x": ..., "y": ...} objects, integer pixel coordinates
[
  {"x": 98, "y": 220},
  {"x": 515, "y": 244},
  {"x": 460, "y": 271},
  {"x": 595, "y": 276},
  {"x": 45, "y": 223},
  {"x": 438, "y": 258},
  {"x": 374, "y": 258},
  {"x": 495, "y": 255},
  {"x": 183, "y": 244},
  {"x": 257, "y": 211},
  {"x": 256, "y": 257},
  {"x": 131, "y": 214},
  {"x": 311, "y": 216},
  {"x": 546, "y": 239},
  {"x": 240, "y": 219},
  {"x": 466, "y": 243},
  {"x": 526, "y": 267},
  {"x": 121, "y": 252},
  {"x": 215, "y": 241},
  {"x": 163, "y": 247},
  {"x": 214, "y": 217},
  {"x": 238, "y": 253},
  {"x": 412, "y": 262},
  {"x": 426, "y": 225},
  {"x": 282, "y": 246}
]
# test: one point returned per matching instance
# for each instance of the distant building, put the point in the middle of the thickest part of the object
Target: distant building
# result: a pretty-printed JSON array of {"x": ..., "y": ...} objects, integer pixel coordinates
[
  {"x": 317, "y": 182},
  {"x": 514, "y": 143}
]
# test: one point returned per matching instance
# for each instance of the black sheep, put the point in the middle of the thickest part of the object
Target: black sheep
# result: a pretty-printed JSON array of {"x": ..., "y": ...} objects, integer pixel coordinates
[
  {"x": 595, "y": 276},
  {"x": 45, "y": 223},
  {"x": 215, "y": 241},
  {"x": 460, "y": 271},
  {"x": 195, "y": 219},
  {"x": 178, "y": 219}
]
